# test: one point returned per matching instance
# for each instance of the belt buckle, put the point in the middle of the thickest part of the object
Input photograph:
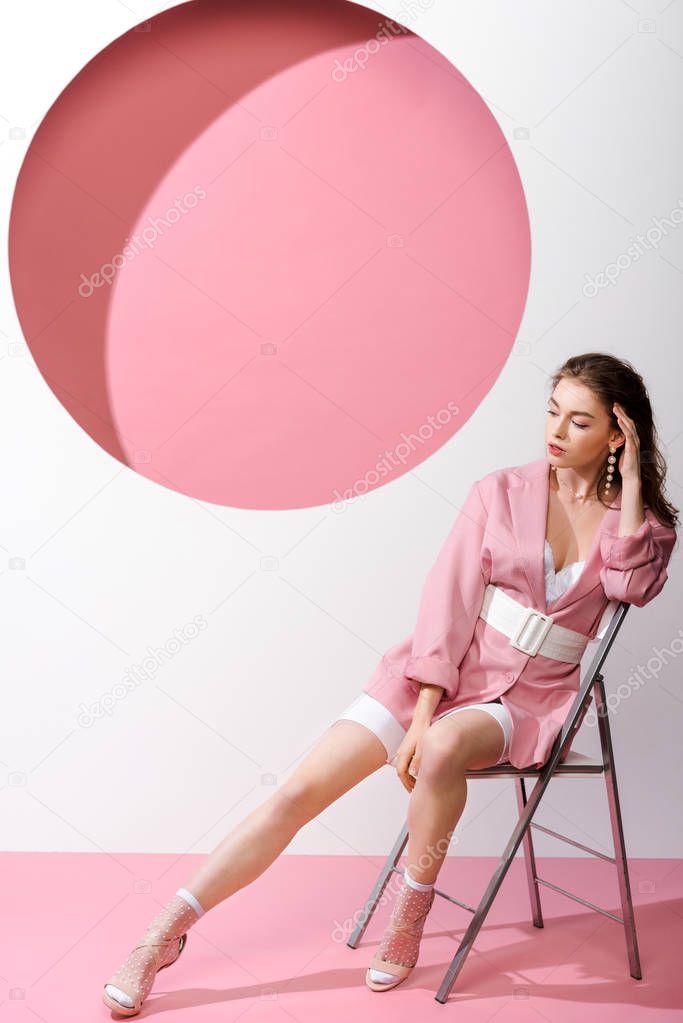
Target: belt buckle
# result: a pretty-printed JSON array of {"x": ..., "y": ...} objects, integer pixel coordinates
[{"x": 538, "y": 635}]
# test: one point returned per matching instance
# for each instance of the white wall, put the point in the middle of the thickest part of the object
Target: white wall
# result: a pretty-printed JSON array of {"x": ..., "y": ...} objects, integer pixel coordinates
[{"x": 113, "y": 563}]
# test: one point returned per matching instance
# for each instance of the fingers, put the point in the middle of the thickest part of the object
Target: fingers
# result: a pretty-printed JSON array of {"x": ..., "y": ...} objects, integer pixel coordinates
[
  {"x": 402, "y": 763},
  {"x": 626, "y": 425},
  {"x": 406, "y": 781},
  {"x": 407, "y": 765},
  {"x": 622, "y": 418},
  {"x": 407, "y": 759}
]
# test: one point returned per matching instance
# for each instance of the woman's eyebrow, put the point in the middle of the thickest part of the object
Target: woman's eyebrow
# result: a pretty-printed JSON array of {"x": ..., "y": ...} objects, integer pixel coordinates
[{"x": 575, "y": 411}]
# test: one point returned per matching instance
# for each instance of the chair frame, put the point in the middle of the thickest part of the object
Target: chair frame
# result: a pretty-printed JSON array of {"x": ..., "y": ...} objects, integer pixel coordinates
[{"x": 575, "y": 764}]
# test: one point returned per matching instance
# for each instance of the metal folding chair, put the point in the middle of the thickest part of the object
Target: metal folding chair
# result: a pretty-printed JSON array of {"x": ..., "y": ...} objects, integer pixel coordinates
[{"x": 573, "y": 765}]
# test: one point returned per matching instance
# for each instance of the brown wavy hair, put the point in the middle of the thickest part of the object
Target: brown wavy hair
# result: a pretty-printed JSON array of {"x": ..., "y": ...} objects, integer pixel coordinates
[{"x": 611, "y": 380}]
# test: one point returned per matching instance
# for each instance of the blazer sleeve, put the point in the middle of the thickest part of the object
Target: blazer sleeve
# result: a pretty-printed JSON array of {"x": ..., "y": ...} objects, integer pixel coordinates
[
  {"x": 634, "y": 566},
  {"x": 451, "y": 600}
]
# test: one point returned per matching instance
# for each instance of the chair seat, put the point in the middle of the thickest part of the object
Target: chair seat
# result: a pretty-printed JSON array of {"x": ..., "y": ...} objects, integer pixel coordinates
[{"x": 575, "y": 763}]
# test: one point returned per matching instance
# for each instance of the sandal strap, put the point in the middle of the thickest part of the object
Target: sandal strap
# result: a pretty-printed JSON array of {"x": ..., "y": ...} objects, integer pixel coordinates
[{"x": 386, "y": 966}]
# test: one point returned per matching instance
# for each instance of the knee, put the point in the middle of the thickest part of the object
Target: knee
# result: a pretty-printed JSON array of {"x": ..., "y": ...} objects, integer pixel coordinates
[
  {"x": 297, "y": 802},
  {"x": 443, "y": 756}
]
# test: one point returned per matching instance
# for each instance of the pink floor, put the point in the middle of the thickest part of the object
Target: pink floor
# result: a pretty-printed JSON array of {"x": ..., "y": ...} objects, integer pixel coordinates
[{"x": 276, "y": 951}]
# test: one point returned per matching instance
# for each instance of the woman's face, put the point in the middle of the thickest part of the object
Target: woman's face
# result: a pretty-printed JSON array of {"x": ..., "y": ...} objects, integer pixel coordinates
[{"x": 577, "y": 423}]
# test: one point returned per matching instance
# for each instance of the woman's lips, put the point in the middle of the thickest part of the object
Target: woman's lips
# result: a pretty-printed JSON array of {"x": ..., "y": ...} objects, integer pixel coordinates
[{"x": 555, "y": 448}]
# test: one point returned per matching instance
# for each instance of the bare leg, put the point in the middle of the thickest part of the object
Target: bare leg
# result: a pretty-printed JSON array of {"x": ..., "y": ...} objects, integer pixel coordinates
[
  {"x": 345, "y": 754},
  {"x": 468, "y": 740}
]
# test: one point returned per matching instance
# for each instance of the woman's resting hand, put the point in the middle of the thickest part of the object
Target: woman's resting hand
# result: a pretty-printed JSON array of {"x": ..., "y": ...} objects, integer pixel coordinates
[{"x": 407, "y": 758}]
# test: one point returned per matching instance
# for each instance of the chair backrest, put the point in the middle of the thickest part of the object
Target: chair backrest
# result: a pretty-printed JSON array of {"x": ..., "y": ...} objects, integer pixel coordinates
[
  {"x": 607, "y": 616},
  {"x": 610, "y": 623}
]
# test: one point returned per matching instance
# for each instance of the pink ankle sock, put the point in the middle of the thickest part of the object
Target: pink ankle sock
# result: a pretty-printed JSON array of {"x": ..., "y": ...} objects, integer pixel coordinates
[
  {"x": 116, "y": 992},
  {"x": 378, "y": 975}
]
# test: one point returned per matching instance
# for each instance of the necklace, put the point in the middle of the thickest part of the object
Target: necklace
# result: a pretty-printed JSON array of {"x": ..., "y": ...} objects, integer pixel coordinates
[{"x": 574, "y": 492}]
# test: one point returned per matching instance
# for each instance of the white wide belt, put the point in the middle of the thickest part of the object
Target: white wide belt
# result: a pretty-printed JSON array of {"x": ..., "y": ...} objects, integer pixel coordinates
[{"x": 529, "y": 630}]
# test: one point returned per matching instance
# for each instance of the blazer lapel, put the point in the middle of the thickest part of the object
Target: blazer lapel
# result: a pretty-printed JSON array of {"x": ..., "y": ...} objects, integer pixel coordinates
[
  {"x": 529, "y": 512},
  {"x": 528, "y": 505}
]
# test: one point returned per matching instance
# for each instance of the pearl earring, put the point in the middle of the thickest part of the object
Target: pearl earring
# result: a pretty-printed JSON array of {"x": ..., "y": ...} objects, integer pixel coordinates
[{"x": 610, "y": 467}]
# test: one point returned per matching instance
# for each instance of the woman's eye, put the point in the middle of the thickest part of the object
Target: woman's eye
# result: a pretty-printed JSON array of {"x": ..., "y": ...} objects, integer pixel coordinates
[{"x": 580, "y": 426}]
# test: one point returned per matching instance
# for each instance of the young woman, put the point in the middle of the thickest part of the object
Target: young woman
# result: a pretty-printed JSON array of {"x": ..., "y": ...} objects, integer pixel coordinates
[{"x": 520, "y": 586}]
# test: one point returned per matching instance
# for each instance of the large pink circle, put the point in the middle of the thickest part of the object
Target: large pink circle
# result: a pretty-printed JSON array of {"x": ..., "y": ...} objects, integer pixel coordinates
[{"x": 312, "y": 246}]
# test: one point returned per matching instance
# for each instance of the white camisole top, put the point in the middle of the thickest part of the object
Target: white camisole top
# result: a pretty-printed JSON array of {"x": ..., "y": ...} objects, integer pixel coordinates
[{"x": 557, "y": 582}]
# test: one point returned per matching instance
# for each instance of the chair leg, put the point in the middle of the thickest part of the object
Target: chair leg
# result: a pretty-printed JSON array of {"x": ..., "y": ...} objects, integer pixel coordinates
[
  {"x": 621, "y": 861},
  {"x": 486, "y": 901},
  {"x": 529, "y": 859},
  {"x": 376, "y": 893},
  {"x": 543, "y": 779}
]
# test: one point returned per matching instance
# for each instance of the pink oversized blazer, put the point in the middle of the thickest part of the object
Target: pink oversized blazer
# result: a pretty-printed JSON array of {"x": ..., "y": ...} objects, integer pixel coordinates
[{"x": 499, "y": 538}]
